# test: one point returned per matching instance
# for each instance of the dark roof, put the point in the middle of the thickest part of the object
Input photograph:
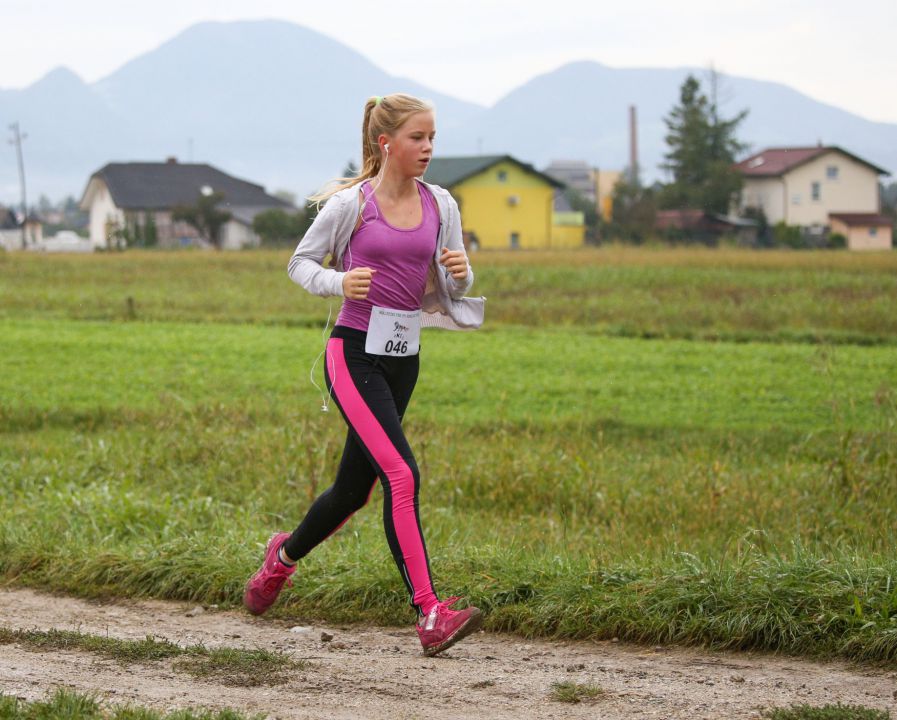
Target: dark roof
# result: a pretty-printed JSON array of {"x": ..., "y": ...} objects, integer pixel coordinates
[
  {"x": 774, "y": 162},
  {"x": 449, "y": 171},
  {"x": 163, "y": 185},
  {"x": 860, "y": 219},
  {"x": 8, "y": 219}
]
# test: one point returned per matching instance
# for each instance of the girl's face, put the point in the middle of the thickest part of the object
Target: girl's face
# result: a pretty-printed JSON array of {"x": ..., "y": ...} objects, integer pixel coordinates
[{"x": 411, "y": 148}]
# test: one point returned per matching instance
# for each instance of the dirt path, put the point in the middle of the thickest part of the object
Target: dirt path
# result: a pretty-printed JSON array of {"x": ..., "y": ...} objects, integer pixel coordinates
[{"x": 367, "y": 672}]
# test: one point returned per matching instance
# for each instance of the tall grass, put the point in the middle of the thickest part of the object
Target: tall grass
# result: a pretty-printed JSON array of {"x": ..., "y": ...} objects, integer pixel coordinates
[
  {"x": 834, "y": 297},
  {"x": 577, "y": 481},
  {"x": 733, "y": 495}
]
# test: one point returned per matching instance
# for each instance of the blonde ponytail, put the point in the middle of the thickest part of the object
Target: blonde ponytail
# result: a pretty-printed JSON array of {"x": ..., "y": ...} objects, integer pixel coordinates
[{"x": 382, "y": 115}]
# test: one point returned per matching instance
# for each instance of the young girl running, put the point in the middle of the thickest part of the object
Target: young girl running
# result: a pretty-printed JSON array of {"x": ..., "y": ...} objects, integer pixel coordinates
[{"x": 399, "y": 262}]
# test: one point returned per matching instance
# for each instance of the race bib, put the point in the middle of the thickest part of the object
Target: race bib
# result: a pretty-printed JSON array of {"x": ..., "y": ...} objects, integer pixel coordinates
[{"x": 393, "y": 332}]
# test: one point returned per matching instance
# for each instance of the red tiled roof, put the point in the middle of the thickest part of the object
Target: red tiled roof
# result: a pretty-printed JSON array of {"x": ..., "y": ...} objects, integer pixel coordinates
[
  {"x": 773, "y": 162},
  {"x": 691, "y": 219},
  {"x": 860, "y": 219},
  {"x": 777, "y": 161},
  {"x": 667, "y": 219}
]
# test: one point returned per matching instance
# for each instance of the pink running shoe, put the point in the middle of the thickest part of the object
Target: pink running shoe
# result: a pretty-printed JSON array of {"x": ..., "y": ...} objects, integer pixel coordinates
[
  {"x": 264, "y": 587},
  {"x": 441, "y": 627}
]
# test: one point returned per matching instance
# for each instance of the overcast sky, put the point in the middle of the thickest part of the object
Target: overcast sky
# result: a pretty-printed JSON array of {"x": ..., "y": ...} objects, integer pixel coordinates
[{"x": 843, "y": 53}]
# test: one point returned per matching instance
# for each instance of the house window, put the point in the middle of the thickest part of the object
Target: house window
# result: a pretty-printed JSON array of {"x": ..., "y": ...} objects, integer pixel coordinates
[
  {"x": 831, "y": 172},
  {"x": 815, "y": 191},
  {"x": 503, "y": 176},
  {"x": 873, "y": 231},
  {"x": 795, "y": 199},
  {"x": 515, "y": 241}
]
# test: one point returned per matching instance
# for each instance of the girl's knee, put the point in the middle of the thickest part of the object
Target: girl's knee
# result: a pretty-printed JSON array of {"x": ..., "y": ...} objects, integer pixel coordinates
[{"x": 403, "y": 479}]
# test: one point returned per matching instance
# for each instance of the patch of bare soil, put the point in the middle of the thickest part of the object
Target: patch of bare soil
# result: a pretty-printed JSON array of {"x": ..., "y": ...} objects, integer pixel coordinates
[{"x": 368, "y": 672}]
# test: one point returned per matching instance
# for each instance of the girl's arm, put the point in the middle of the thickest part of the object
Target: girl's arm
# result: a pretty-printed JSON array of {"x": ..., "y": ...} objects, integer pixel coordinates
[{"x": 306, "y": 265}]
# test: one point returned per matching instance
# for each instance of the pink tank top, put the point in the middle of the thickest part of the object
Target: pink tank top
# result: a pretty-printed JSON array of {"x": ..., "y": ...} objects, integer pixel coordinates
[{"x": 401, "y": 257}]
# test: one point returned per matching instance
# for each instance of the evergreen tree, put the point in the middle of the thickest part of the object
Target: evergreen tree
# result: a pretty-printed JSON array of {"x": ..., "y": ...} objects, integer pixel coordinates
[
  {"x": 634, "y": 210},
  {"x": 703, "y": 148}
]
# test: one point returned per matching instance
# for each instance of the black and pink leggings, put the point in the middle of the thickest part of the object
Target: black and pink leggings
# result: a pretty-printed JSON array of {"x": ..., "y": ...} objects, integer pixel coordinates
[{"x": 372, "y": 392}]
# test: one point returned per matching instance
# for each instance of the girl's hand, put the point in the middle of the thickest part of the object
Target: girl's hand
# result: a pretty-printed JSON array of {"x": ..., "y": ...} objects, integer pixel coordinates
[
  {"x": 455, "y": 262},
  {"x": 357, "y": 283}
]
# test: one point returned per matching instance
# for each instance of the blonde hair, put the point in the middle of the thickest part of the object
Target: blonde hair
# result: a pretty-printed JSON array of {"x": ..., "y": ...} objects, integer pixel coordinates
[{"x": 381, "y": 116}]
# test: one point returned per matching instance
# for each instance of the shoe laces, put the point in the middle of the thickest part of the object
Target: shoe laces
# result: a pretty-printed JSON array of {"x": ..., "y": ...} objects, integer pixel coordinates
[
  {"x": 276, "y": 579},
  {"x": 448, "y": 602},
  {"x": 443, "y": 607},
  {"x": 440, "y": 609}
]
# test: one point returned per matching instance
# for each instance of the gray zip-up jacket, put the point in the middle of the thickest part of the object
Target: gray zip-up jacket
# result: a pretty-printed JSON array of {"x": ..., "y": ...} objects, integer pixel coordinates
[{"x": 443, "y": 305}]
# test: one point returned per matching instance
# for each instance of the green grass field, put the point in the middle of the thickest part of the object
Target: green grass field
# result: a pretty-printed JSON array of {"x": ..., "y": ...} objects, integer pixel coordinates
[
  {"x": 682, "y": 293},
  {"x": 578, "y": 480}
]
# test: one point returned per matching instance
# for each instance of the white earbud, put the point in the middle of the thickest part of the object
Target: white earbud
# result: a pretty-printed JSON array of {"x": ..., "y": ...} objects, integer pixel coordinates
[{"x": 387, "y": 147}]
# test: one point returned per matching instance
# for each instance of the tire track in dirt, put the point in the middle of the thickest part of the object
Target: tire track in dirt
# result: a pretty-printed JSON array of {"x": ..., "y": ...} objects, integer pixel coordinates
[{"x": 368, "y": 672}]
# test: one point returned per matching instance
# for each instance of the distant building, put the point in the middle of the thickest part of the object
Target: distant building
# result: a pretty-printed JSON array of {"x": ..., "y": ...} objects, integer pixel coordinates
[
  {"x": 864, "y": 231},
  {"x": 707, "y": 227},
  {"x": 595, "y": 185},
  {"x": 577, "y": 175},
  {"x": 11, "y": 230},
  {"x": 123, "y": 196},
  {"x": 507, "y": 204},
  {"x": 607, "y": 181},
  {"x": 809, "y": 186}
]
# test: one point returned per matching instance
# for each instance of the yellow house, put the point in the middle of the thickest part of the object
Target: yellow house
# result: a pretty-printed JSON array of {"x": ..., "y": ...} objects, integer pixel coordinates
[{"x": 506, "y": 204}]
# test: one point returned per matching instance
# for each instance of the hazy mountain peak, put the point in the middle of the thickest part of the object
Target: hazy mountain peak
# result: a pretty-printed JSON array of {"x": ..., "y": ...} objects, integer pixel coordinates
[
  {"x": 281, "y": 105},
  {"x": 59, "y": 77}
]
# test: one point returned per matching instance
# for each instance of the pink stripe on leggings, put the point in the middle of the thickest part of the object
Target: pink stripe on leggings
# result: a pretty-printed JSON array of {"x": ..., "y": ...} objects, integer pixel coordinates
[{"x": 398, "y": 474}]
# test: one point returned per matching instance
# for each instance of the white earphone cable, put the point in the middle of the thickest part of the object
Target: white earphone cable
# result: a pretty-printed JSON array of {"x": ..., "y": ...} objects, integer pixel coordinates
[
  {"x": 325, "y": 397},
  {"x": 373, "y": 190}
]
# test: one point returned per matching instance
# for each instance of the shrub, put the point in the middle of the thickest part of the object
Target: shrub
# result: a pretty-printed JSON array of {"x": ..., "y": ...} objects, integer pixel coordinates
[{"x": 837, "y": 241}]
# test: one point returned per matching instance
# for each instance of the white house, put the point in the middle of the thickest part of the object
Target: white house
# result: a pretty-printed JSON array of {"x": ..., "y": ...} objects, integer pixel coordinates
[
  {"x": 808, "y": 186},
  {"x": 126, "y": 196},
  {"x": 11, "y": 236}
]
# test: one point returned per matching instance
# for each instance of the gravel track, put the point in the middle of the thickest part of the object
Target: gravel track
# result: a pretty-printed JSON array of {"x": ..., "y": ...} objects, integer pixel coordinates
[{"x": 369, "y": 672}]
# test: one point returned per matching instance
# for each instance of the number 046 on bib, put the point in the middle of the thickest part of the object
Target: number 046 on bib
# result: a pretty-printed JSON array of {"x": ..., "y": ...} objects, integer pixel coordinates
[{"x": 393, "y": 332}]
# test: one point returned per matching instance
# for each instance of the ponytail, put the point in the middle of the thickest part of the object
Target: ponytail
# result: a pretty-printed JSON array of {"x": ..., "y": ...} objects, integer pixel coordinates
[{"x": 382, "y": 115}]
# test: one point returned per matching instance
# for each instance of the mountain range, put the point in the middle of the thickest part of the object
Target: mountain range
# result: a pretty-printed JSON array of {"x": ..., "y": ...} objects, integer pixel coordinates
[{"x": 279, "y": 104}]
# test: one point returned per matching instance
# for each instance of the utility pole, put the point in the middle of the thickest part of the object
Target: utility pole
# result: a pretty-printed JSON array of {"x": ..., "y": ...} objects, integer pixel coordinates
[
  {"x": 633, "y": 146},
  {"x": 17, "y": 139}
]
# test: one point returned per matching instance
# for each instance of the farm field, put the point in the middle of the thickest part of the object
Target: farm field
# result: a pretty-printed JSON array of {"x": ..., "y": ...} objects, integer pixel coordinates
[
  {"x": 665, "y": 446},
  {"x": 686, "y": 293}
]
